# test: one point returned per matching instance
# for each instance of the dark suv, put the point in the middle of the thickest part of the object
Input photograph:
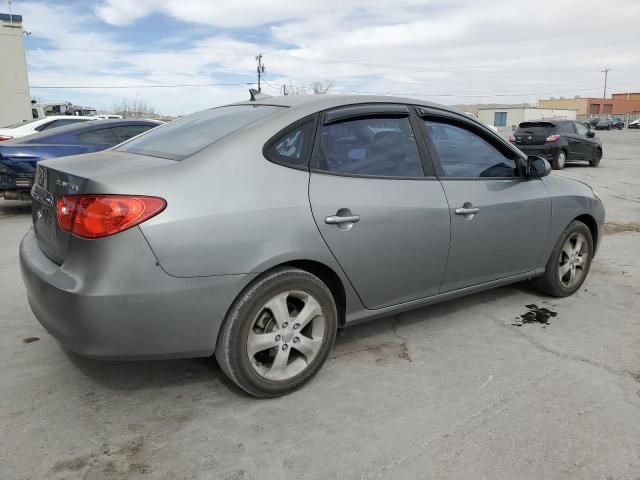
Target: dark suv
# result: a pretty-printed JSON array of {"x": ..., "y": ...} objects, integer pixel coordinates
[{"x": 559, "y": 141}]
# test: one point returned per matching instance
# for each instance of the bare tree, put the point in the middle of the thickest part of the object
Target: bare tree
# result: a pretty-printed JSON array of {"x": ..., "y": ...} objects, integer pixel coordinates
[
  {"x": 320, "y": 88},
  {"x": 317, "y": 88},
  {"x": 135, "y": 108}
]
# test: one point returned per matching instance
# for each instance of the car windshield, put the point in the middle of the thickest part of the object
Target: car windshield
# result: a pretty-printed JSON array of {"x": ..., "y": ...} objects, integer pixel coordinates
[
  {"x": 536, "y": 128},
  {"x": 188, "y": 135},
  {"x": 603, "y": 122}
]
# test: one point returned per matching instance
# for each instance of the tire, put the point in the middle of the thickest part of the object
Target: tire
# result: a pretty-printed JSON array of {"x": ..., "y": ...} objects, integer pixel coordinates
[
  {"x": 569, "y": 263},
  {"x": 596, "y": 158},
  {"x": 559, "y": 162},
  {"x": 289, "y": 353}
]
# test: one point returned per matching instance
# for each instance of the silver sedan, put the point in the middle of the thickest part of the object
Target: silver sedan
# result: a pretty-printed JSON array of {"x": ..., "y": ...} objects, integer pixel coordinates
[{"x": 255, "y": 230}]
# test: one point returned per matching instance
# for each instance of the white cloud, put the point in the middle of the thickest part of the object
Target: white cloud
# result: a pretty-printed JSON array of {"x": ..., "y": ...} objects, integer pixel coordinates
[{"x": 420, "y": 48}]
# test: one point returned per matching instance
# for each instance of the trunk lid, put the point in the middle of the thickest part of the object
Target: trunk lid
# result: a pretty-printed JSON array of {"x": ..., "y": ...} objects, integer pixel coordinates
[
  {"x": 534, "y": 133},
  {"x": 69, "y": 176}
]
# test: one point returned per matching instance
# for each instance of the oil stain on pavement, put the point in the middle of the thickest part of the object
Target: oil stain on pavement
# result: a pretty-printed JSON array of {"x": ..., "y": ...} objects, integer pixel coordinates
[{"x": 535, "y": 314}]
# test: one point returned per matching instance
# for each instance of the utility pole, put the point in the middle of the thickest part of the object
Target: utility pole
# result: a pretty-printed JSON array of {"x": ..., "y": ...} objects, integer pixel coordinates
[
  {"x": 260, "y": 69},
  {"x": 10, "y": 14},
  {"x": 606, "y": 73}
]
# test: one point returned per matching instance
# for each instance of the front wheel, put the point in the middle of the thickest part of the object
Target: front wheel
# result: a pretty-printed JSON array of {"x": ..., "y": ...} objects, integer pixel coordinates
[
  {"x": 595, "y": 161},
  {"x": 569, "y": 263},
  {"x": 278, "y": 333}
]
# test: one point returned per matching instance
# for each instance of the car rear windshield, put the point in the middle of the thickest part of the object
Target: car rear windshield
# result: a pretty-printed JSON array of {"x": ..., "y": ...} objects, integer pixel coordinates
[
  {"x": 536, "y": 127},
  {"x": 186, "y": 136}
]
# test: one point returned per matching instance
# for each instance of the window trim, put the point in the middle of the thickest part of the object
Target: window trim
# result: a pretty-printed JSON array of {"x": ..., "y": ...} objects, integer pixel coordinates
[
  {"x": 364, "y": 110},
  {"x": 376, "y": 110},
  {"x": 308, "y": 149},
  {"x": 480, "y": 130}
]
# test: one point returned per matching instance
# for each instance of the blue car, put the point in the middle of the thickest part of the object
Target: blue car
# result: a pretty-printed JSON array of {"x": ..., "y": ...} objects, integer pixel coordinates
[{"x": 18, "y": 158}]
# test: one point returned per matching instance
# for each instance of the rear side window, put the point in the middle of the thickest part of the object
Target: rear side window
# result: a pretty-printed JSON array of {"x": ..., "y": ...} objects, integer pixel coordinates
[
  {"x": 103, "y": 136},
  {"x": 188, "y": 135},
  {"x": 566, "y": 127},
  {"x": 126, "y": 132},
  {"x": 293, "y": 147},
  {"x": 376, "y": 146}
]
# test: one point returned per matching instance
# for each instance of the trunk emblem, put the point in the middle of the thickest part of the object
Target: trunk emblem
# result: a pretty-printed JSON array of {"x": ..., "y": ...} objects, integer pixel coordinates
[
  {"x": 40, "y": 215},
  {"x": 64, "y": 184}
]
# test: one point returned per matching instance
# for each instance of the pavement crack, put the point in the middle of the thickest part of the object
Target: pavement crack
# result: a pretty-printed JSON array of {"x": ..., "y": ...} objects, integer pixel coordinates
[
  {"x": 562, "y": 355},
  {"x": 404, "y": 342}
]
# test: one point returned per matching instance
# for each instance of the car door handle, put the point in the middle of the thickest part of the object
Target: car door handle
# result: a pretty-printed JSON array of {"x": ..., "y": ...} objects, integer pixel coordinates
[
  {"x": 467, "y": 211},
  {"x": 337, "y": 219}
]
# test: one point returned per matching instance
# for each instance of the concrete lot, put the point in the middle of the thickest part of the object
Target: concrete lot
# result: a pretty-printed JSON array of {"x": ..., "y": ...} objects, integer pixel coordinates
[{"x": 451, "y": 391}]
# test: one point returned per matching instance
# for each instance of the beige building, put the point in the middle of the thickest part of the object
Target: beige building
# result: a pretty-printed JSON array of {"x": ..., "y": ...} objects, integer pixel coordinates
[
  {"x": 15, "y": 102},
  {"x": 511, "y": 117},
  {"x": 620, "y": 103}
]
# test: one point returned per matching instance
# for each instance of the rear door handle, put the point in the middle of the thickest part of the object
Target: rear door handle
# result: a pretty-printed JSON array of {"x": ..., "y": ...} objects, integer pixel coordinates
[{"x": 337, "y": 219}]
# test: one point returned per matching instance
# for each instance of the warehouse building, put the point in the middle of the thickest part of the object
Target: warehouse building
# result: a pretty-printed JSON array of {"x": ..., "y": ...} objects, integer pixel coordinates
[
  {"x": 619, "y": 104},
  {"x": 511, "y": 117},
  {"x": 15, "y": 105}
]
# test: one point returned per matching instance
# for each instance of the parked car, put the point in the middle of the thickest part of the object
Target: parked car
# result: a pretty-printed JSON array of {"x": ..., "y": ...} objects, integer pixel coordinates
[
  {"x": 558, "y": 141},
  {"x": 635, "y": 123},
  {"x": 591, "y": 123},
  {"x": 604, "y": 124},
  {"x": 18, "y": 158},
  {"x": 617, "y": 123},
  {"x": 255, "y": 230},
  {"x": 19, "y": 130}
]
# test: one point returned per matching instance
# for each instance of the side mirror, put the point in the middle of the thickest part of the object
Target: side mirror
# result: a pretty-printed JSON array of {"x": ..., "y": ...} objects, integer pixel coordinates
[
  {"x": 537, "y": 167},
  {"x": 591, "y": 134}
]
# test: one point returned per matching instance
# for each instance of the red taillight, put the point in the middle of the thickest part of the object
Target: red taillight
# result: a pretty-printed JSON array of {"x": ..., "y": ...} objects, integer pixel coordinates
[
  {"x": 512, "y": 139},
  {"x": 553, "y": 138},
  {"x": 5, "y": 137},
  {"x": 97, "y": 216}
]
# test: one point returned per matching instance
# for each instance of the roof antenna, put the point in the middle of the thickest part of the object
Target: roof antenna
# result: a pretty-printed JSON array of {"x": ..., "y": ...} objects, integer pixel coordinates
[{"x": 256, "y": 95}]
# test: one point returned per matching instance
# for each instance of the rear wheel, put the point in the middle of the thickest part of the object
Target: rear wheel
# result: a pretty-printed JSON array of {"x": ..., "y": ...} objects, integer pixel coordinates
[
  {"x": 597, "y": 156},
  {"x": 278, "y": 333},
  {"x": 560, "y": 160},
  {"x": 569, "y": 263}
]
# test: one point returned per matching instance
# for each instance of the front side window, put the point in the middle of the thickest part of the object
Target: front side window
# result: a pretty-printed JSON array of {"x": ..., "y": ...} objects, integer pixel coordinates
[
  {"x": 374, "y": 146},
  {"x": 582, "y": 130},
  {"x": 464, "y": 154},
  {"x": 292, "y": 148},
  {"x": 186, "y": 136}
]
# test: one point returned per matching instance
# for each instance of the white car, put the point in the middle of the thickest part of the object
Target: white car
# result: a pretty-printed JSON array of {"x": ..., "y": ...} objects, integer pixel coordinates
[{"x": 38, "y": 125}]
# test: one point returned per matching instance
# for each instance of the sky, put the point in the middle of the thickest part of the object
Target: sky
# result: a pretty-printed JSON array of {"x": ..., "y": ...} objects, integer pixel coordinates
[{"x": 181, "y": 56}]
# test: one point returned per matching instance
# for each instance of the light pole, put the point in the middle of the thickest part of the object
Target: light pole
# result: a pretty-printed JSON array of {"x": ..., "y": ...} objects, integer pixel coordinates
[{"x": 606, "y": 73}]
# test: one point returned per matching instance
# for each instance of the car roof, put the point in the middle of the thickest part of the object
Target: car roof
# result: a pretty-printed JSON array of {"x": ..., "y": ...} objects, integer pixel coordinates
[
  {"x": 84, "y": 127},
  {"x": 324, "y": 102}
]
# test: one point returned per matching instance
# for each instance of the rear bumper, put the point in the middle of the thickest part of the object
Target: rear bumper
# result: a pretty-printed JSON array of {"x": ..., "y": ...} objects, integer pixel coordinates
[
  {"x": 107, "y": 305},
  {"x": 546, "y": 152}
]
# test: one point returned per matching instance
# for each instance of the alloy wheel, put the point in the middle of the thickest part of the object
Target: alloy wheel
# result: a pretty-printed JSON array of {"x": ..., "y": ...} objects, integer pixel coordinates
[
  {"x": 286, "y": 335},
  {"x": 574, "y": 258}
]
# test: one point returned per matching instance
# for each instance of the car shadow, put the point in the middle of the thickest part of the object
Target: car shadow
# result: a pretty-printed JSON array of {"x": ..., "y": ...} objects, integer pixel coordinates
[
  {"x": 378, "y": 336},
  {"x": 14, "y": 208}
]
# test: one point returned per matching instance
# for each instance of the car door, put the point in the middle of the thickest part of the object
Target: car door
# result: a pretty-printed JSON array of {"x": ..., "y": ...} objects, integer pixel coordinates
[
  {"x": 586, "y": 143},
  {"x": 574, "y": 142},
  {"x": 499, "y": 219},
  {"x": 377, "y": 204}
]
